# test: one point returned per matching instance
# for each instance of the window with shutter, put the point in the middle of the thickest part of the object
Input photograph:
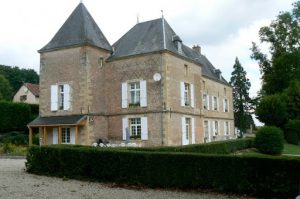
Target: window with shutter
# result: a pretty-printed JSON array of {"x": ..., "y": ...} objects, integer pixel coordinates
[
  {"x": 66, "y": 98},
  {"x": 144, "y": 124},
  {"x": 192, "y": 95},
  {"x": 143, "y": 99},
  {"x": 124, "y": 95},
  {"x": 125, "y": 128},
  {"x": 193, "y": 130}
]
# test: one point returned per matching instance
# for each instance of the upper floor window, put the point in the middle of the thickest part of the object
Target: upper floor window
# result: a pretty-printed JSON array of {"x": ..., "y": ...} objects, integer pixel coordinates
[
  {"x": 60, "y": 97},
  {"x": 225, "y": 105},
  {"x": 187, "y": 94},
  {"x": 215, "y": 103},
  {"x": 205, "y": 101},
  {"x": 134, "y": 93}
]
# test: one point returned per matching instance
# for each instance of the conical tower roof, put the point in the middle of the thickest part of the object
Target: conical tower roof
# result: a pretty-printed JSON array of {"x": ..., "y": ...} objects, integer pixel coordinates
[{"x": 79, "y": 29}]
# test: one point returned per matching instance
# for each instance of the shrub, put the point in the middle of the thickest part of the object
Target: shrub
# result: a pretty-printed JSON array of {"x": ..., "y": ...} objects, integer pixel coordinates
[
  {"x": 16, "y": 138},
  {"x": 292, "y": 132},
  {"x": 261, "y": 176},
  {"x": 220, "y": 147},
  {"x": 269, "y": 140}
]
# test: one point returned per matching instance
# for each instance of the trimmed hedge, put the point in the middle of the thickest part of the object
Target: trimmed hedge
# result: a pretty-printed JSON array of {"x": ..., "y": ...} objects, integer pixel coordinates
[
  {"x": 292, "y": 132},
  {"x": 220, "y": 147},
  {"x": 15, "y": 116},
  {"x": 260, "y": 176},
  {"x": 269, "y": 140}
]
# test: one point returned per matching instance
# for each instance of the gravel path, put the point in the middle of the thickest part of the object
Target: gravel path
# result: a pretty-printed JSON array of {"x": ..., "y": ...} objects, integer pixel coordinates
[{"x": 15, "y": 183}]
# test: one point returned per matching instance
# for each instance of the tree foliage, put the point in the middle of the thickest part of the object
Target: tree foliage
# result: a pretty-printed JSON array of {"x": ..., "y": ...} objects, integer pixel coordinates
[
  {"x": 242, "y": 101},
  {"x": 16, "y": 77},
  {"x": 5, "y": 89},
  {"x": 283, "y": 36}
]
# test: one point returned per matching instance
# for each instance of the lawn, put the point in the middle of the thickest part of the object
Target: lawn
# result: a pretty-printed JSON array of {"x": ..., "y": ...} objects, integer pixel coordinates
[{"x": 291, "y": 149}]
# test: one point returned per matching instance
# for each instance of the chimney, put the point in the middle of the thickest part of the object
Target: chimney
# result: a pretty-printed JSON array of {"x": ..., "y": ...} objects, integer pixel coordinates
[
  {"x": 219, "y": 73},
  {"x": 197, "y": 49}
]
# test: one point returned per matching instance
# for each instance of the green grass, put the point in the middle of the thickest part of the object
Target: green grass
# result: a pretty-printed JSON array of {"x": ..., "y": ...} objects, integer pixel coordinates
[
  {"x": 291, "y": 149},
  {"x": 12, "y": 150}
]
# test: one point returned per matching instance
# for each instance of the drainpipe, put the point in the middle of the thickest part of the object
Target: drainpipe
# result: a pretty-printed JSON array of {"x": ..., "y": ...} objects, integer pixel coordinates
[{"x": 161, "y": 99}]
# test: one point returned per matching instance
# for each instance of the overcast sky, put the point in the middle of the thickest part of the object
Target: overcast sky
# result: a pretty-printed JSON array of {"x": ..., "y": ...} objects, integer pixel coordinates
[{"x": 223, "y": 28}]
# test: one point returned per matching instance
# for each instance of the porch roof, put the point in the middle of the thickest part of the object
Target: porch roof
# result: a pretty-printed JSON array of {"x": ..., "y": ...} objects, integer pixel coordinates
[{"x": 71, "y": 120}]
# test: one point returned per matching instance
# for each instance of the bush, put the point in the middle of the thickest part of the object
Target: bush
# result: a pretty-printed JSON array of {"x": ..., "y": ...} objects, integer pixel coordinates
[
  {"x": 269, "y": 140},
  {"x": 14, "y": 116},
  {"x": 16, "y": 138},
  {"x": 292, "y": 132},
  {"x": 261, "y": 176},
  {"x": 220, "y": 147}
]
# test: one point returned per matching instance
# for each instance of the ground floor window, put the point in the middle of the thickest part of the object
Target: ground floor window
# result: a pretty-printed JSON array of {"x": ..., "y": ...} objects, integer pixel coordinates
[
  {"x": 135, "y": 128},
  {"x": 206, "y": 129},
  {"x": 66, "y": 135},
  {"x": 226, "y": 128},
  {"x": 187, "y": 127}
]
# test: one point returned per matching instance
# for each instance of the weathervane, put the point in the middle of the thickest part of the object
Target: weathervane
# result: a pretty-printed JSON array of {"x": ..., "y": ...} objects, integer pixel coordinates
[{"x": 162, "y": 13}]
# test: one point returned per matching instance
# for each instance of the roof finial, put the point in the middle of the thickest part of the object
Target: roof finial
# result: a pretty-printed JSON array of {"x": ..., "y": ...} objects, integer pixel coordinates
[
  {"x": 80, "y": 1},
  {"x": 162, "y": 13},
  {"x": 137, "y": 19}
]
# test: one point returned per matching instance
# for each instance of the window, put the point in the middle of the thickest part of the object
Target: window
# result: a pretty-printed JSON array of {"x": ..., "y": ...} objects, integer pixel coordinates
[
  {"x": 60, "y": 97},
  {"x": 100, "y": 61},
  {"x": 203, "y": 85},
  {"x": 215, "y": 103},
  {"x": 187, "y": 127},
  {"x": 135, "y": 128},
  {"x": 206, "y": 129},
  {"x": 65, "y": 136},
  {"x": 205, "y": 102},
  {"x": 186, "y": 94},
  {"x": 226, "y": 128},
  {"x": 186, "y": 70},
  {"x": 23, "y": 98},
  {"x": 216, "y": 128},
  {"x": 134, "y": 92},
  {"x": 225, "y": 105}
]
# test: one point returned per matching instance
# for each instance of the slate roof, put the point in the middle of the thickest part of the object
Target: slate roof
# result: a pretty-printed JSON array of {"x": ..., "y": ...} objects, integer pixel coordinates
[
  {"x": 157, "y": 35},
  {"x": 79, "y": 29},
  {"x": 57, "y": 120},
  {"x": 34, "y": 88}
]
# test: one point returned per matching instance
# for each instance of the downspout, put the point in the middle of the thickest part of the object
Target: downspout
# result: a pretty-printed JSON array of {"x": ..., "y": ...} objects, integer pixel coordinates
[{"x": 161, "y": 81}]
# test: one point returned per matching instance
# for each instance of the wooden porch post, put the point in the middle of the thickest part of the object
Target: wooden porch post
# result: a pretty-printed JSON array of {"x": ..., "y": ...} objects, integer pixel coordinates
[
  {"x": 59, "y": 135},
  {"x": 30, "y": 136},
  {"x": 45, "y": 136},
  {"x": 76, "y": 134}
]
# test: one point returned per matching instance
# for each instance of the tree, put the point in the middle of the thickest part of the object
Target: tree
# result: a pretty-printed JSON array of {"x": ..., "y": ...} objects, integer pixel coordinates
[
  {"x": 5, "y": 89},
  {"x": 292, "y": 100},
  {"x": 271, "y": 110},
  {"x": 17, "y": 77},
  {"x": 241, "y": 99},
  {"x": 283, "y": 36}
]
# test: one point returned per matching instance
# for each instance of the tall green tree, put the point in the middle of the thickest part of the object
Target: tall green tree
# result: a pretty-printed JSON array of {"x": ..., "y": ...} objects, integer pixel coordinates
[
  {"x": 241, "y": 99},
  {"x": 17, "y": 76},
  {"x": 283, "y": 64},
  {"x": 5, "y": 89}
]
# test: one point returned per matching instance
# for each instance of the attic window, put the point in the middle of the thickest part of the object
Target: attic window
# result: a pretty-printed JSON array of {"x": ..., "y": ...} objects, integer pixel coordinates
[
  {"x": 178, "y": 43},
  {"x": 186, "y": 70},
  {"x": 179, "y": 47}
]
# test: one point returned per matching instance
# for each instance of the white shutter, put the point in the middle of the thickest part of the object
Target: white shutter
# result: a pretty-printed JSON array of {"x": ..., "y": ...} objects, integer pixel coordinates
[
  {"x": 183, "y": 131},
  {"x": 214, "y": 128},
  {"x": 193, "y": 130},
  {"x": 209, "y": 130},
  {"x": 54, "y": 97},
  {"x": 224, "y": 128},
  {"x": 144, "y": 124},
  {"x": 125, "y": 126},
  {"x": 124, "y": 95},
  {"x": 219, "y": 128},
  {"x": 218, "y": 104},
  {"x": 207, "y": 102},
  {"x": 228, "y": 105},
  {"x": 212, "y": 103},
  {"x": 143, "y": 93},
  {"x": 229, "y": 128},
  {"x": 192, "y": 96},
  {"x": 224, "y": 105},
  {"x": 182, "y": 94},
  {"x": 72, "y": 135},
  {"x": 66, "y": 97},
  {"x": 54, "y": 136}
]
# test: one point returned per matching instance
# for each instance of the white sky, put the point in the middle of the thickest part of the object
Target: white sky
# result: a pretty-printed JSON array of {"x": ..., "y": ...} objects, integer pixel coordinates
[{"x": 223, "y": 28}]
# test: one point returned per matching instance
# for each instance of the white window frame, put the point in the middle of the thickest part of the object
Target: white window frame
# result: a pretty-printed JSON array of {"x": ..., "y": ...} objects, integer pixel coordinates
[
  {"x": 66, "y": 135},
  {"x": 226, "y": 128},
  {"x": 137, "y": 96},
  {"x": 225, "y": 105},
  {"x": 60, "y": 97},
  {"x": 187, "y": 94},
  {"x": 135, "y": 128},
  {"x": 134, "y": 93}
]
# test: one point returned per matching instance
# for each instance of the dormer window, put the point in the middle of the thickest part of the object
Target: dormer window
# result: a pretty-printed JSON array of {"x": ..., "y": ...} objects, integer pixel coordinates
[{"x": 178, "y": 43}]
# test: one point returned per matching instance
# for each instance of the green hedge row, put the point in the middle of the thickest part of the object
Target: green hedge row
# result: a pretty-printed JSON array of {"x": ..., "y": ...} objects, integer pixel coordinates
[
  {"x": 260, "y": 176},
  {"x": 15, "y": 116},
  {"x": 220, "y": 147}
]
